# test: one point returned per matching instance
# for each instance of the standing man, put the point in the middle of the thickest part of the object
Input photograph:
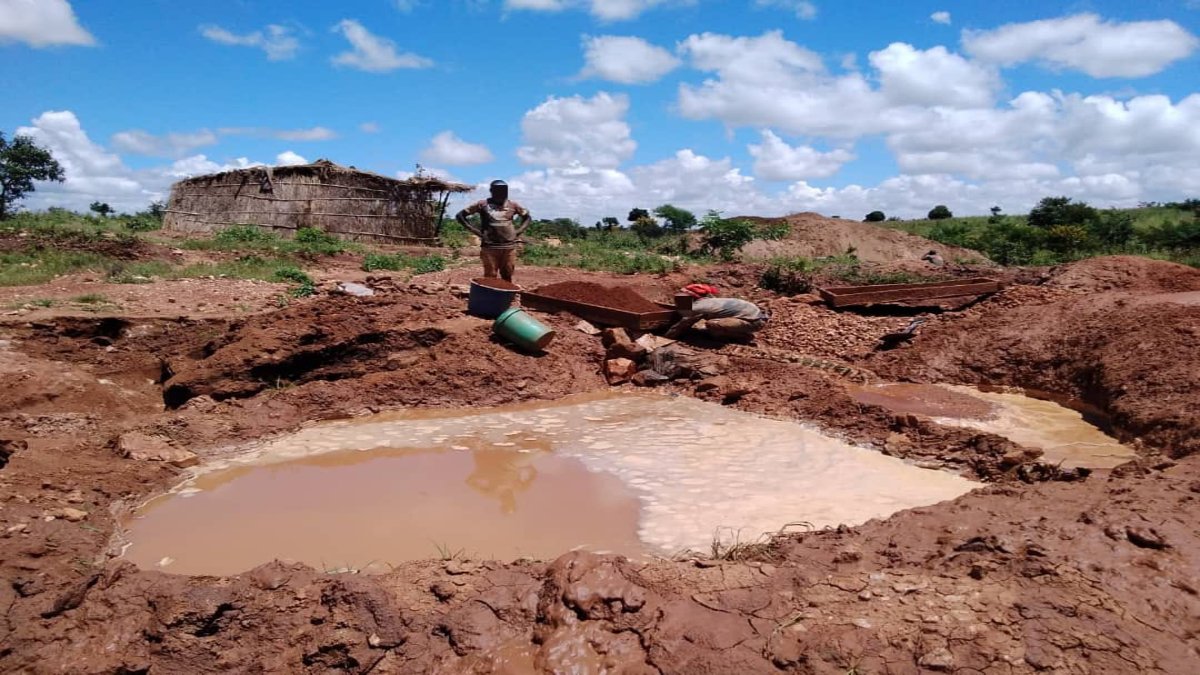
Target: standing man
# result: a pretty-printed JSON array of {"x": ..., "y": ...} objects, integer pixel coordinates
[
  {"x": 728, "y": 319},
  {"x": 498, "y": 230}
]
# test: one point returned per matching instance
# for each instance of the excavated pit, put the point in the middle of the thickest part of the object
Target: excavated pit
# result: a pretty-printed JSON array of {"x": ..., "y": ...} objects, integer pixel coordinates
[{"x": 632, "y": 474}]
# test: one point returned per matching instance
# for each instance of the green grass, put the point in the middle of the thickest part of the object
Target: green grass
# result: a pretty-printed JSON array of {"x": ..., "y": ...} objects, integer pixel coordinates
[
  {"x": 308, "y": 241},
  {"x": 399, "y": 262},
  {"x": 29, "y": 268}
]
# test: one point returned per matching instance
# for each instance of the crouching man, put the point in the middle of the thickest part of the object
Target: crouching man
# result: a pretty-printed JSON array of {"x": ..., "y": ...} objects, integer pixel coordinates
[{"x": 727, "y": 319}]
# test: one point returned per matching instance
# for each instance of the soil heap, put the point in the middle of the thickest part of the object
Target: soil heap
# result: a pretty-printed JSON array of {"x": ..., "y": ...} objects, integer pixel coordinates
[{"x": 815, "y": 236}]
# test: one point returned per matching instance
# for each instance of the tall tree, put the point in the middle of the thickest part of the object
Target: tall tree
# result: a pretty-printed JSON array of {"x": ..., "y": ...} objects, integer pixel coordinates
[
  {"x": 637, "y": 214},
  {"x": 22, "y": 161},
  {"x": 678, "y": 220}
]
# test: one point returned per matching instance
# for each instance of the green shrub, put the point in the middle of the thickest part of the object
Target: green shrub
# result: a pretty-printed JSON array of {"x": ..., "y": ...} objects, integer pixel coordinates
[
  {"x": 772, "y": 230},
  {"x": 311, "y": 241},
  {"x": 244, "y": 235},
  {"x": 725, "y": 237},
  {"x": 875, "y": 217},
  {"x": 453, "y": 235},
  {"x": 304, "y": 283},
  {"x": 788, "y": 276}
]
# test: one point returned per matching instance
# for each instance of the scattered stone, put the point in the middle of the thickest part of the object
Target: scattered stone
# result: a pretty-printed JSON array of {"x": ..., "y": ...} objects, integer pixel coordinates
[
  {"x": 17, "y": 529},
  {"x": 357, "y": 290},
  {"x": 848, "y": 555},
  {"x": 862, "y": 623},
  {"x": 443, "y": 591},
  {"x": 1146, "y": 538},
  {"x": 71, "y": 515},
  {"x": 650, "y": 342},
  {"x": 715, "y": 384},
  {"x": 620, "y": 346},
  {"x": 8, "y": 448},
  {"x": 619, "y": 370},
  {"x": 648, "y": 378},
  {"x": 939, "y": 658},
  {"x": 456, "y": 567},
  {"x": 75, "y": 497},
  {"x": 586, "y": 328},
  {"x": 865, "y": 595},
  {"x": 152, "y": 448}
]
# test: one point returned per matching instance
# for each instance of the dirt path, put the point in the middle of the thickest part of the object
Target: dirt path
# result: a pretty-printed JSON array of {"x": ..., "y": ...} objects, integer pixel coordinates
[{"x": 1094, "y": 575}]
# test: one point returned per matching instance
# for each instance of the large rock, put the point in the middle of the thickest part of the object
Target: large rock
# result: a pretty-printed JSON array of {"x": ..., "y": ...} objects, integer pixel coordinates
[
  {"x": 153, "y": 448},
  {"x": 621, "y": 346},
  {"x": 619, "y": 370}
]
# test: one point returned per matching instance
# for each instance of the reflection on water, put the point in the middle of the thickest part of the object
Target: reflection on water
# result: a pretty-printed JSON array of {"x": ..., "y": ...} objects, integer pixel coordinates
[
  {"x": 619, "y": 472},
  {"x": 1065, "y": 435}
]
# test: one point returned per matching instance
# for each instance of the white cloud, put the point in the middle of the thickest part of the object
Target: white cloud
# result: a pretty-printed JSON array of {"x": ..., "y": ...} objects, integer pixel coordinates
[
  {"x": 41, "y": 23},
  {"x": 1086, "y": 43},
  {"x": 288, "y": 158},
  {"x": 310, "y": 134},
  {"x": 447, "y": 148},
  {"x": 605, "y": 10},
  {"x": 369, "y": 127},
  {"x": 372, "y": 53},
  {"x": 941, "y": 17},
  {"x": 768, "y": 81},
  {"x": 313, "y": 134},
  {"x": 802, "y": 8},
  {"x": 406, "y": 6},
  {"x": 174, "y": 144},
  {"x": 774, "y": 159},
  {"x": 627, "y": 60},
  {"x": 565, "y": 132},
  {"x": 277, "y": 41},
  {"x": 933, "y": 77}
]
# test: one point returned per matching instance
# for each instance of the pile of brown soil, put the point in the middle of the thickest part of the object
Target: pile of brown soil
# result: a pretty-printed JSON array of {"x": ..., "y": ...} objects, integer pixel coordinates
[
  {"x": 812, "y": 235},
  {"x": 1126, "y": 273},
  {"x": 614, "y": 297}
]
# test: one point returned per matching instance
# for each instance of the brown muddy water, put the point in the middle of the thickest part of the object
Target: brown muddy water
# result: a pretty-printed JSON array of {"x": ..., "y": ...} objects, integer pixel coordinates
[
  {"x": 633, "y": 474},
  {"x": 1066, "y": 435}
]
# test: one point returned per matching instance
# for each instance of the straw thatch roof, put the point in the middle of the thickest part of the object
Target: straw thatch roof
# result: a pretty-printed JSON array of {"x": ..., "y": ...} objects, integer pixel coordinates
[{"x": 353, "y": 204}]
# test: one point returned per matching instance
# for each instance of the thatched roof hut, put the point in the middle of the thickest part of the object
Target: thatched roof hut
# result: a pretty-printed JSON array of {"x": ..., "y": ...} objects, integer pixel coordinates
[{"x": 351, "y": 204}]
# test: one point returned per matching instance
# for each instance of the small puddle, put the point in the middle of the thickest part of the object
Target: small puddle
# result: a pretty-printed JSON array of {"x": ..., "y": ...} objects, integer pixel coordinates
[
  {"x": 1066, "y": 436},
  {"x": 632, "y": 474}
]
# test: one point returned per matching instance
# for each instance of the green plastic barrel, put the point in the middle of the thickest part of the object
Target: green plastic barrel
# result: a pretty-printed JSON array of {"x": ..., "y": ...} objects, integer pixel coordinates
[{"x": 519, "y": 327}]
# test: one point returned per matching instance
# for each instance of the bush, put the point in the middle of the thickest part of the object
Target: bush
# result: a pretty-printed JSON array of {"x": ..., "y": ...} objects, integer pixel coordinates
[
  {"x": 1113, "y": 229},
  {"x": 940, "y": 212},
  {"x": 952, "y": 233},
  {"x": 453, "y": 235},
  {"x": 788, "y": 276},
  {"x": 875, "y": 217},
  {"x": 1173, "y": 235},
  {"x": 310, "y": 240},
  {"x": 772, "y": 230},
  {"x": 304, "y": 283},
  {"x": 725, "y": 237},
  {"x": 243, "y": 235}
]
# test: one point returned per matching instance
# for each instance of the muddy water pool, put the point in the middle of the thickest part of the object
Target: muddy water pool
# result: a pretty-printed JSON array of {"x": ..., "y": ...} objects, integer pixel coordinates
[
  {"x": 1064, "y": 434},
  {"x": 633, "y": 474}
]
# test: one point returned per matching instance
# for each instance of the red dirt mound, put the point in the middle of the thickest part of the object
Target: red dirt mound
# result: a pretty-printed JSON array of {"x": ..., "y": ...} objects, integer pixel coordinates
[
  {"x": 815, "y": 236},
  {"x": 1126, "y": 273},
  {"x": 614, "y": 297}
]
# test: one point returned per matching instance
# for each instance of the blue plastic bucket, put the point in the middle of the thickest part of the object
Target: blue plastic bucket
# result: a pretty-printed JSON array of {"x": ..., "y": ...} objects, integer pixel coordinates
[
  {"x": 488, "y": 301},
  {"x": 517, "y": 326}
]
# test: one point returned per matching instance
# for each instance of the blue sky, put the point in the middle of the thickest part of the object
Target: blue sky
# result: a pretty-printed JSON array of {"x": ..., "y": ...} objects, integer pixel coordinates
[{"x": 591, "y": 107}]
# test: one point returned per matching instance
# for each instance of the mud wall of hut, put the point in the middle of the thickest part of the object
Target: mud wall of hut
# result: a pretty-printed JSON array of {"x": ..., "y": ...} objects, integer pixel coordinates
[{"x": 342, "y": 204}]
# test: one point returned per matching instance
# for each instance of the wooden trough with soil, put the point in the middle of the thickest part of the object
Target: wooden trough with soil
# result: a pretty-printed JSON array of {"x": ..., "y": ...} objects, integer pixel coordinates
[
  {"x": 853, "y": 296},
  {"x": 603, "y": 306}
]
